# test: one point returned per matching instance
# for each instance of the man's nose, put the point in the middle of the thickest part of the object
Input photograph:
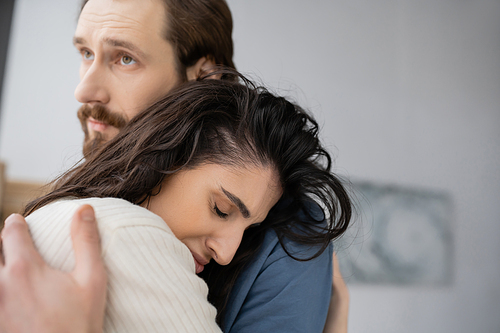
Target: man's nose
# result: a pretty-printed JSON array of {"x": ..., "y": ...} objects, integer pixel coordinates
[
  {"x": 223, "y": 247},
  {"x": 92, "y": 88}
]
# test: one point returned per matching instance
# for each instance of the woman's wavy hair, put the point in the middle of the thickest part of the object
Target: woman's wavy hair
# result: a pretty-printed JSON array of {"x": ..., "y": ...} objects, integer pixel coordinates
[{"x": 228, "y": 123}]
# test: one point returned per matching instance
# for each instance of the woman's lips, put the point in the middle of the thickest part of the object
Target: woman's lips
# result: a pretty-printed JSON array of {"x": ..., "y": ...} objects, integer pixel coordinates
[
  {"x": 96, "y": 125},
  {"x": 199, "y": 262}
]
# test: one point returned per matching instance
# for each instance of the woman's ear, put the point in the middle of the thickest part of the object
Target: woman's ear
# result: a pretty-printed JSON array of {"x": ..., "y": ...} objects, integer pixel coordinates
[{"x": 204, "y": 65}]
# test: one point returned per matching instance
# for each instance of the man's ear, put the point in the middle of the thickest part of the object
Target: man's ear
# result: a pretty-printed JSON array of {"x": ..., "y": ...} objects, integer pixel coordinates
[{"x": 203, "y": 65}]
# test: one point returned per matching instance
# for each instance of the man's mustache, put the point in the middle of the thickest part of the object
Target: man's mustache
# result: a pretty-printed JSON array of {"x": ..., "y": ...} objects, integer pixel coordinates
[{"x": 102, "y": 114}]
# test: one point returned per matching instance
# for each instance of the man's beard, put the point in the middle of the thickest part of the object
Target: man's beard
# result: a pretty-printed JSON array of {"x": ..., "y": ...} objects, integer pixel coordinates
[{"x": 102, "y": 114}]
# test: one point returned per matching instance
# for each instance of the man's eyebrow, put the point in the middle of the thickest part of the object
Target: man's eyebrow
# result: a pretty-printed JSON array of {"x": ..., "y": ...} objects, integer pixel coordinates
[
  {"x": 114, "y": 42},
  {"x": 241, "y": 206},
  {"x": 125, "y": 45},
  {"x": 78, "y": 40}
]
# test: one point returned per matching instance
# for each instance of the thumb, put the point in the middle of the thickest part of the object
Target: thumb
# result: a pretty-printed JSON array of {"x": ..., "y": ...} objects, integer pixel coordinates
[{"x": 87, "y": 246}]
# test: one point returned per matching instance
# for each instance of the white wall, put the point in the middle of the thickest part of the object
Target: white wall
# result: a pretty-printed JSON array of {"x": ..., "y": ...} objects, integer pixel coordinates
[
  {"x": 39, "y": 132},
  {"x": 408, "y": 92}
]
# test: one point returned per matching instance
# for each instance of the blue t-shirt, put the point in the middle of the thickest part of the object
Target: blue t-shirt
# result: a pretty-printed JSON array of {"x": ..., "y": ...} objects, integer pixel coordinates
[{"x": 276, "y": 293}]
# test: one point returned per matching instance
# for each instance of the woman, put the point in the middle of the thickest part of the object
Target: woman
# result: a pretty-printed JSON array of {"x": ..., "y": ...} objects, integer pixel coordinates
[{"x": 211, "y": 161}]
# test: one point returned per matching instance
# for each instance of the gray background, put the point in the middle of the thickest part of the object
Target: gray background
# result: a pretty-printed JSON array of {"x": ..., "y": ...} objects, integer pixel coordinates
[
  {"x": 408, "y": 92},
  {"x": 6, "y": 8}
]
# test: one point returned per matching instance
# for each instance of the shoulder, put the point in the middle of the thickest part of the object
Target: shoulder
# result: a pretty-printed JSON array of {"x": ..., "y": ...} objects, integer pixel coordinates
[
  {"x": 271, "y": 284},
  {"x": 152, "y": 285},
  {"x": 50, "y": 225},
  {"x": 111, "y": 213},
  {"x": 277, "y": 257},
  {"x": 119, "y": 213}
]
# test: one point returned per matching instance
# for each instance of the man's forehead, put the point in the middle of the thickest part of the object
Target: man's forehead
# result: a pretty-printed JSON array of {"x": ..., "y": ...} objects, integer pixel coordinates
[{"x": 143, "y": 18}]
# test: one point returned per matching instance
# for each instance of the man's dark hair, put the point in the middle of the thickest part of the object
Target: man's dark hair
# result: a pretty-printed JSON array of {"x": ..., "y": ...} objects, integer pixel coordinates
[{"x": 196, "y": 29}]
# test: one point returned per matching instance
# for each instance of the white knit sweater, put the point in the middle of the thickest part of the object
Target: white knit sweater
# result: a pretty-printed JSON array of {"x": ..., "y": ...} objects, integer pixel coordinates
[{"x": 152, "y": 285}]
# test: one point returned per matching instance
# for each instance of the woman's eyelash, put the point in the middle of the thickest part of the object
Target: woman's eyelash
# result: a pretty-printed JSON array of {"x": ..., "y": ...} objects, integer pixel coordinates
[{"x": 218, "y": 211}]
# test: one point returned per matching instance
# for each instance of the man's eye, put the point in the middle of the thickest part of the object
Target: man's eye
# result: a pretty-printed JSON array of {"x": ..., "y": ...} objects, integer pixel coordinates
[
  {"x": 87, "y": 55},
  {"x": 127, "y": 60},
  {"x": 218, "y": 211}
]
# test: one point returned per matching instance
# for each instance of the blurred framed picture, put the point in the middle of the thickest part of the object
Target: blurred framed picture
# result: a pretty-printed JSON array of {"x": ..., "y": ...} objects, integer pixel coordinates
[{"x": 401, "y": 236}]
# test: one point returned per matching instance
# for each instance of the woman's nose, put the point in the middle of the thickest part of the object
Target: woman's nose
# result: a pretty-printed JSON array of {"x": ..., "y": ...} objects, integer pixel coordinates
[{"x": 224, "y": 246}]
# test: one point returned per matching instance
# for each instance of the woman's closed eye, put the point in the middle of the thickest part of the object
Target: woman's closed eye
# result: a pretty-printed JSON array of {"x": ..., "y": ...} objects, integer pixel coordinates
[{"x": 219, "y": 212}]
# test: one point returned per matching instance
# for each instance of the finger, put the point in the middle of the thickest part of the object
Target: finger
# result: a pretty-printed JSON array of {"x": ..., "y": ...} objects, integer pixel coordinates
[
  {"x": 86, "y": 243},
  {"x": 339, "y": 286},
  {"x": 336, "y": 267},
  {"x": 16, "y": 241},
  {"x": 1, "y": 253}
]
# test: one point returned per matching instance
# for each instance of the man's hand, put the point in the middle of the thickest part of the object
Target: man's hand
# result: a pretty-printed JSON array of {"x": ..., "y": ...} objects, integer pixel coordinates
[
  {"x": 36, "y": 298},
  {"x": 338, "y": 313}
]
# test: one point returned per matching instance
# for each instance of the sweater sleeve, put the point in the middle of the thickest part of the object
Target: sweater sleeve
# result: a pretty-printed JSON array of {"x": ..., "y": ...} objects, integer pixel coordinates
[{"x": 152, "y": 285}]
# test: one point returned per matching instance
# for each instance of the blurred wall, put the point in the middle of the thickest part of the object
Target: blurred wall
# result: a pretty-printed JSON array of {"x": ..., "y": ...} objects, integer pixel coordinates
[
  {"x": 408, "y": 93},
  {"x": 39, "y": 132}
]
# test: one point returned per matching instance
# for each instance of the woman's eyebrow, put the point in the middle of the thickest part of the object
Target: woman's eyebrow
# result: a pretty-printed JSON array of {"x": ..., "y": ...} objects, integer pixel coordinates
[{"x": 237, "y": 201}]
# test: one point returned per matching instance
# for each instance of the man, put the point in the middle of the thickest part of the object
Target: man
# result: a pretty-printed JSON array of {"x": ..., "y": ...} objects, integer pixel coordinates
[{"x": 133, "y": 52}]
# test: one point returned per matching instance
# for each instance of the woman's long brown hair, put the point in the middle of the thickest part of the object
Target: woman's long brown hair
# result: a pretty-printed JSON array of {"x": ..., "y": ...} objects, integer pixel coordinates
[{"x": 230, "y": 123}]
